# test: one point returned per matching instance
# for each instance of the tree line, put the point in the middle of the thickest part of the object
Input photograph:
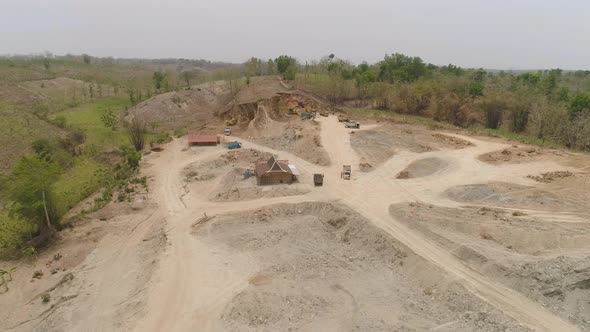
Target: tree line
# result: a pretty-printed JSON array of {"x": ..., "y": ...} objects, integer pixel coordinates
[{"x": 549, "y": 105}]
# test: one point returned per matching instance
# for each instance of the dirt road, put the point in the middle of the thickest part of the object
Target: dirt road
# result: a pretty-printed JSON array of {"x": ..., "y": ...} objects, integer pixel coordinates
[
  {"x": 187, "y": 294},
  {"x": 191, "y": 287}
]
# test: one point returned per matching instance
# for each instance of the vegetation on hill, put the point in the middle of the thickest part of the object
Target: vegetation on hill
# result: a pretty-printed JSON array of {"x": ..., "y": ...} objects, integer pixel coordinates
[
  {"x": 65, "y": 138},
  {"x": 547, "y": 106}
]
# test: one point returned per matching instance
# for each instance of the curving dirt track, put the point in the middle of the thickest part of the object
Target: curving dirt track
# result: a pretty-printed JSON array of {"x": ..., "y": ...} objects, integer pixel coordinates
[{"x": 191, "y": 287}]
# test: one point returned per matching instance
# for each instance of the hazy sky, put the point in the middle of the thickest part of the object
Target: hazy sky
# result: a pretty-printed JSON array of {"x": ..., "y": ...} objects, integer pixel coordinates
[{"x": 504, "y": 34}]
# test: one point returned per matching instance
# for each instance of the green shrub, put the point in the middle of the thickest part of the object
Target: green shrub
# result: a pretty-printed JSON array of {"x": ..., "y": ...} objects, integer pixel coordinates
[
  {"x": 180, "y": 132},
  {"x": 14, "y": 234}
]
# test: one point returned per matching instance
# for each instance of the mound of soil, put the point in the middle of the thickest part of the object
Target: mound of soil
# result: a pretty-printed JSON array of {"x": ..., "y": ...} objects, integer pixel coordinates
[
  {"x": 375, "y": 146},
  {"x": 551, "y": 176},
  {"x": 324, "y": 267},
  {"x": 422, "y": 167},
  {"x": 186, "y": 108},
  {"x": 452, "y": 141},
  {"x": 300, "y": 137},
  {"x": 539, "y": 259},
  {"x": 260, "y": 89},
  {"x": 378, "y": 145},
  {"x": 516, "y": 155},
  {"x": 505, "y": 195}
]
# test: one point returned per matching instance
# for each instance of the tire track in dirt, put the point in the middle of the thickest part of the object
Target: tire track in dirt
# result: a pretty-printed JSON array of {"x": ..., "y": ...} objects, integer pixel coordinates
[{"x": 185, "y": 294}]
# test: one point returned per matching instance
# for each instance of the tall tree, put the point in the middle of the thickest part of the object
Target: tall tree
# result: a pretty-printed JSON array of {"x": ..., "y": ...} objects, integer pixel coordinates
[
  {"x": 158, "y": 78},
  {"x": 284, "y": 62},
  {"x": 30, "y": 189},
  {"x": 187, "y": 76}
]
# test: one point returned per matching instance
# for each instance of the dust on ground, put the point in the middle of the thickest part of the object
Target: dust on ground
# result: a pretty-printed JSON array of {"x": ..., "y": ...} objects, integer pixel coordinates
[
  {"x": 300, "y": 137},
  {"x": 325, "y": 267},
  {"x": 231, "y": 184},
  {"x": 70, "y": 277},
  {"x": 423, "y": 167},
  {"x": 547, "y": 261},
  {"x": 240, "y": 158},
  {"x": 375, "y": 146},
  {"x": 517, "y": 154},
  {"x": 506, "y": 195}
]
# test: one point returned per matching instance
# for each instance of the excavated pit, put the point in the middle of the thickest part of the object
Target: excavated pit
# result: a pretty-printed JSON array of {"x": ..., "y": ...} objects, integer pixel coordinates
[{"x": 324, "y": 267}]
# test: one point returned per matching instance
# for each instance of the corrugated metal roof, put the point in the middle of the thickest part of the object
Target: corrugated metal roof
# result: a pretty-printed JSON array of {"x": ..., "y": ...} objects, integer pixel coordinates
[{"x": 202, "y": 136}]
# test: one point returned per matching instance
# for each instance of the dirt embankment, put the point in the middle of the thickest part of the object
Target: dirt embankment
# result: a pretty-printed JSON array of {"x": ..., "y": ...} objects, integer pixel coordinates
[
  {"x": 323, "y": 267},
  {"x": 519, "y": 154},
  {"x": 538, "y": 258},
  {"x": 186, "y": 108},
  {"x": 275, "y": 122},
  {"x": 87, "y": 276},
  {"x": 376, "y": 146}
]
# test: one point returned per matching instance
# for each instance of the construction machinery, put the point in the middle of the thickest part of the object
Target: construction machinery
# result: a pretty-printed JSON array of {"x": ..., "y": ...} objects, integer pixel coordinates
[
  {"x": 343, "y": 118},
  {"x": 307, "y": 115},
  {"x": 346, "y": 172},
  {"x": 352, "y": 124},
  {"x": 318, "y": 179},
  {"x": 234, "y": 145},
  {"x": 324, "y": 113}
]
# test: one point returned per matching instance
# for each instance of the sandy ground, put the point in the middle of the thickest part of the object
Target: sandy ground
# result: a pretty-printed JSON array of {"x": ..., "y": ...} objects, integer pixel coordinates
[{"x": 346, "y": 256}]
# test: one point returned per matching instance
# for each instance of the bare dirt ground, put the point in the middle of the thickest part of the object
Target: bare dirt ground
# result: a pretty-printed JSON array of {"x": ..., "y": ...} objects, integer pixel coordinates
[
  {"x": 381, "y": 142},
  {"x": 186, "y": 108},
  {"x": 546, "y": 261},
  {"x": 223, "y": 177},
  {"x": 372, "y": 253}
]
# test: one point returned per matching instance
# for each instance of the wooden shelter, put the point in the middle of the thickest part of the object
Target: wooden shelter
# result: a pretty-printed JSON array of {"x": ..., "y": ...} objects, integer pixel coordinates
[
  {"x": 275, "y": 171},
  {"x": 202, "y": 137}
]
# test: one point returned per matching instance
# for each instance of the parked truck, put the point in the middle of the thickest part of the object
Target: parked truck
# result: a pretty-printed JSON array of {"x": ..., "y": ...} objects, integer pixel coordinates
[
  {"x": 343, "y": 118},
  {"x": 234, "y": 145},
  {"x": 318, "y": 179},
  {"x": 346, "y": 170},
  {"x": 227, "y": 131},
  {"x": 352, "y": 125},
  {"x": 307, "y": 115}
]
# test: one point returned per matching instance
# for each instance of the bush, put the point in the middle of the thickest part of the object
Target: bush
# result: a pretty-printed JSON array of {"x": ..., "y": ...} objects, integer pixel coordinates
[
  {"x": 131, "y": 155},
  {"x": 580, "y": 103},
  {"x": 160, "y": 138},
  {"x": 14, "y": 234},
  {"x": 60, "y": 121},
  {"x": 180, "y": 132}
]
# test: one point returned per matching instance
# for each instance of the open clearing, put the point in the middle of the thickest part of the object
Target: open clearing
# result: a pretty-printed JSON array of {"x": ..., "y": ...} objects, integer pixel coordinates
[{"x": 459, "y": 244}]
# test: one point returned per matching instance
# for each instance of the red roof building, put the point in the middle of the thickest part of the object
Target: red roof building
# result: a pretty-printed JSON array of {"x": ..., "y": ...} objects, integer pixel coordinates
[{"x": 202, "y": 137}]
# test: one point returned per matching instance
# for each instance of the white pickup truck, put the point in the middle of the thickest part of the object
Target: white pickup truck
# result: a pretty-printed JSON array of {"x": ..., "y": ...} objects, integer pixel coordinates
[{"x": 352, "y": 125}]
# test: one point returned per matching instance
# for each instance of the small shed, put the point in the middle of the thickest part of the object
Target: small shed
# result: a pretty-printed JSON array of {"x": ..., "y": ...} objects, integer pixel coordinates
[
  {"x": 274, "y": 171},
  {"x": 202, "y": 137}
]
